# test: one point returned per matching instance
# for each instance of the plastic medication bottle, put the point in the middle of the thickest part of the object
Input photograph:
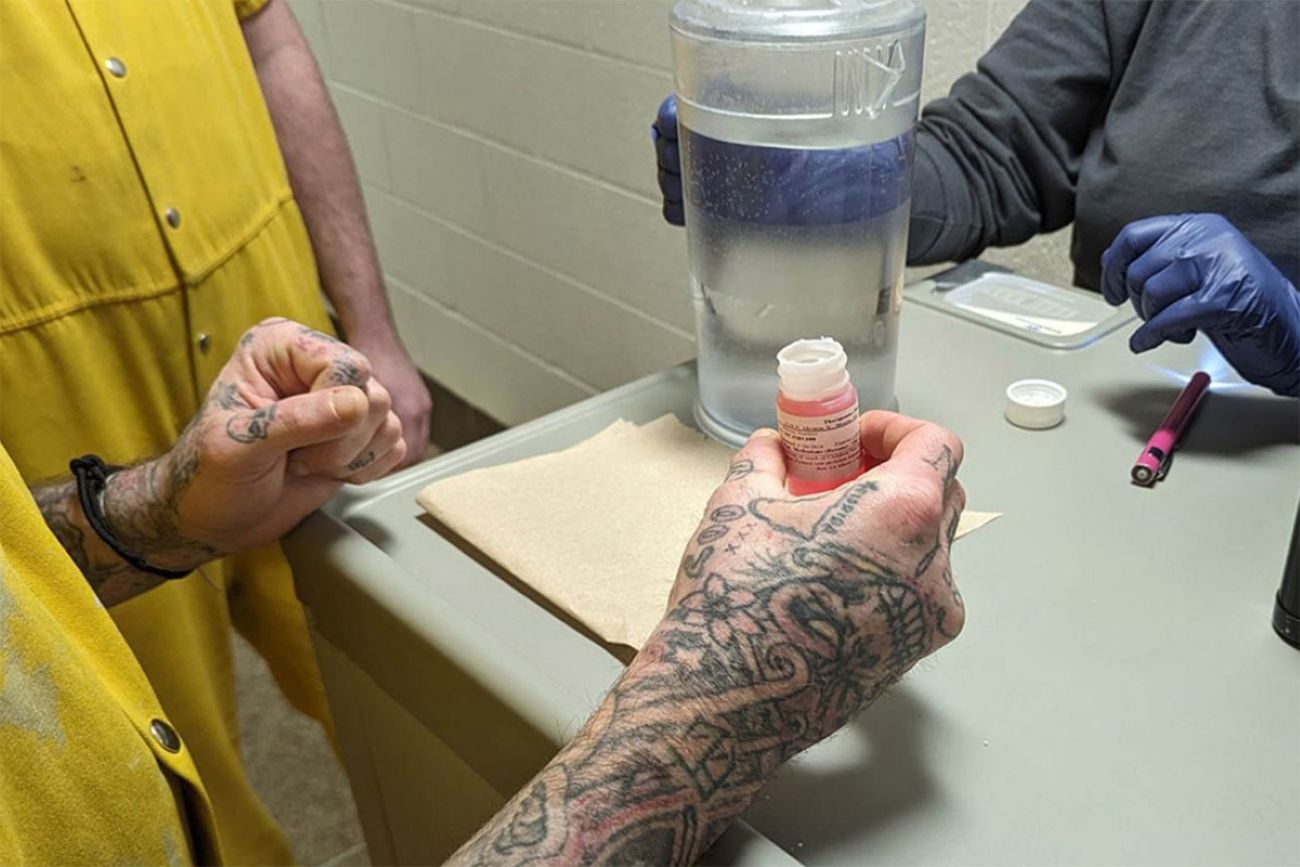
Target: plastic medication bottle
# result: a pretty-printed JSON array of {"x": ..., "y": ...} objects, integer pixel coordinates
[{"x": 817, "y": 416}]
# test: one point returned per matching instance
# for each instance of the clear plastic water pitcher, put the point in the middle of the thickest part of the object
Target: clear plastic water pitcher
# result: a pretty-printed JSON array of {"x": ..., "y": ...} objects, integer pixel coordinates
[{"x": 795, "y": 123}]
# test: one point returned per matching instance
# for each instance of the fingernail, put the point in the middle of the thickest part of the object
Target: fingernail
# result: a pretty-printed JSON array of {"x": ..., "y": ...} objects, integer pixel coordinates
[{"x": 349, "y": 402}]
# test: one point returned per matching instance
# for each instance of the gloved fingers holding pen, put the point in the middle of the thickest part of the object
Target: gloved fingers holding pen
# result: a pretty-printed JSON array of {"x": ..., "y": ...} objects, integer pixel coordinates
[{"x": 1196, "y": 272}]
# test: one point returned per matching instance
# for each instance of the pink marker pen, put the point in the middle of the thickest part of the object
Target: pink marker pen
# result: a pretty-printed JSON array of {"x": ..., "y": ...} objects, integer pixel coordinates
[
  {"x": 1153, "y": 463},
  {"x": 817, "y": 416}
]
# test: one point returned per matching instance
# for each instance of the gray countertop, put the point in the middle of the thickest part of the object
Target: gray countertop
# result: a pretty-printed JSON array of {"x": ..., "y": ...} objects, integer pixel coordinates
[{"x": 1117, "y": 696}]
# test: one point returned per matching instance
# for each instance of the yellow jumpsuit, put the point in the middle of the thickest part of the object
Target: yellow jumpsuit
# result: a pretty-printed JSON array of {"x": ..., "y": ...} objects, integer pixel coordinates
[
  {"x": 91, "y": 771},
  {"x": 146, "y": 220}
]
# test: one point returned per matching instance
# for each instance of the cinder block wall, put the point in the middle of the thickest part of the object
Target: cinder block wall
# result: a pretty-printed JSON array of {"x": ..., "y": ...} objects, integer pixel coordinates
[{"x": 504, "y": 149}]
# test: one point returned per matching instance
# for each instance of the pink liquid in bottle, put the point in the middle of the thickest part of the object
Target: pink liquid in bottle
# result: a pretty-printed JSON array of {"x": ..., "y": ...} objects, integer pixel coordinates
[{"x": 817, "y": 416}]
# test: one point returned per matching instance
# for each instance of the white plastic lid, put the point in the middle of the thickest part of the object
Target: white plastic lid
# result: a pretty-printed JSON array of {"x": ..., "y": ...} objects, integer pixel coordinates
[
  {"x": 812, "y": 369},
  {"x": 1036, "y": 404}
]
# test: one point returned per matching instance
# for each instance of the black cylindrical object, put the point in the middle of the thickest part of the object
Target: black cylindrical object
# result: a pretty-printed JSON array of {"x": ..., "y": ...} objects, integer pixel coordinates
[{"x": 1286, "y": 609}]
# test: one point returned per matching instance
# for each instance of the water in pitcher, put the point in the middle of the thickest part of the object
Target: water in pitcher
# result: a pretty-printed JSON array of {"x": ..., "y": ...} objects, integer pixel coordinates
[
  {"x": 795, "y": 127},
  {"x": 764, "y": 274}
]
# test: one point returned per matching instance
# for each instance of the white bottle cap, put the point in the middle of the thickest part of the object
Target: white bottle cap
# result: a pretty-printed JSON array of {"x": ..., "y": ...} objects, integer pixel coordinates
[
  {"x": 812, "y": 369},
  {"x": 1036, "y": 403}
]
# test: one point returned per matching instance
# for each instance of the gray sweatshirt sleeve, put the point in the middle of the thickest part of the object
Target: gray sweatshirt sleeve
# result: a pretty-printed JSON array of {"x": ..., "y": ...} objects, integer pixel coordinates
[{"x": 997, "y": 159}]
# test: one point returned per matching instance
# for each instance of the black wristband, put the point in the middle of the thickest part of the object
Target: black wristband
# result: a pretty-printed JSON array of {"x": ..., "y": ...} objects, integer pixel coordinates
[{"x": 92, "y": 478}]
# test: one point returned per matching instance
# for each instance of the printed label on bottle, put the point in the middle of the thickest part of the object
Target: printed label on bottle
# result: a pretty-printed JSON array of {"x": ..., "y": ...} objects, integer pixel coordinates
[{"x": 822, "y": 448}]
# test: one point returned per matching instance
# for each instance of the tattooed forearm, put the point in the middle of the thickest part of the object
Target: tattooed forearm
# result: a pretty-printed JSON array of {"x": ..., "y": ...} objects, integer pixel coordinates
[
  {"x": 142, "y": 503},
  {"x": 776, "y": 646},
  {"x": 112, "y": 579},
  {"x": 142, "y": 507},
  {"x": 58, "y": 504}
]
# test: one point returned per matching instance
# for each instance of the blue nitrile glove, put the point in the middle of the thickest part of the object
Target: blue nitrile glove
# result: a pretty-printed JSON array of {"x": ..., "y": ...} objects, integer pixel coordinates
[
  {"x": 777, "y": 185},
  {"x": 1195, "y": 272},
  {"x": 664, "y": 135}
]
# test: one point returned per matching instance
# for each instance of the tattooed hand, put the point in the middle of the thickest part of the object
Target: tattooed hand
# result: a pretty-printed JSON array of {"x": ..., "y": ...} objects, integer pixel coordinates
[
  {"x": 789, "y": 615},
  {"x": 830, "y": 598},
  {"x": 292, "y": 415}
]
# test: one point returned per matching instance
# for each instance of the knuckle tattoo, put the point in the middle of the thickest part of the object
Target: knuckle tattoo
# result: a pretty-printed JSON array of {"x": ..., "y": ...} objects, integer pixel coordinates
[
  {"x": 362, "y": 461},
  {"x": 250, "y": 427}
]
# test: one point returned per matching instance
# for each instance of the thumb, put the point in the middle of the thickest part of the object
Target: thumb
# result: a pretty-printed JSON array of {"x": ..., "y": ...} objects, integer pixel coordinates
[{"x": 300, "y": 420}]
